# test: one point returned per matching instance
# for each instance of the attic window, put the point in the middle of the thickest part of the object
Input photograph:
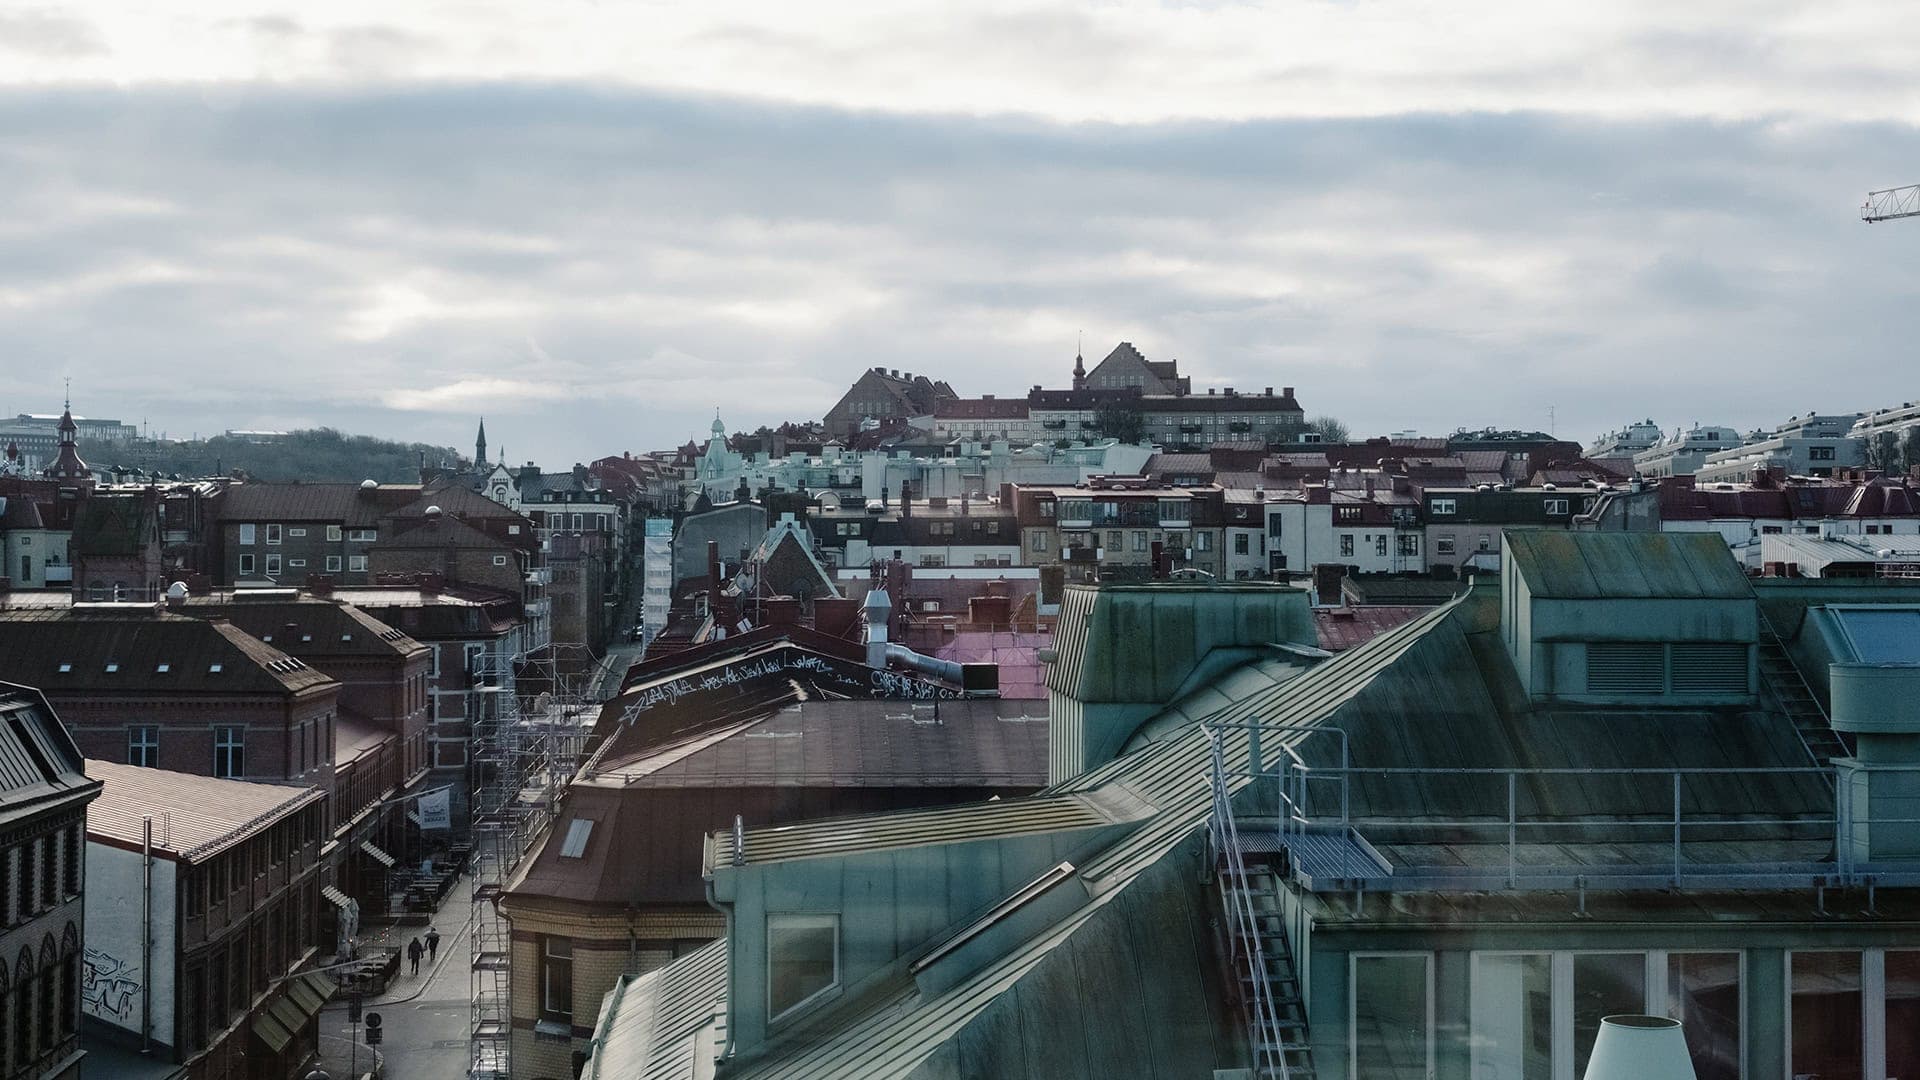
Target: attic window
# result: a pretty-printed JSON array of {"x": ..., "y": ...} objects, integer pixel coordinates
[
  {"x": 65, "y": 668},
  {"x": 266, "y": 637},
  {"x": 346, "y": 637},
  {"x": 306, "y": 637},
  {"x": 578, "y": 831},
  {"x": 112, "y": 667},
  {"x": 162, "y": 669},
  {"x": 213, "y": 669},
  {"x": 803, "y": 960}
]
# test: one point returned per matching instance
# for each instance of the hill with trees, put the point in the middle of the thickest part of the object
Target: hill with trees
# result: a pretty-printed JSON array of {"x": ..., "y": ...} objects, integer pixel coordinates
[{"x": 315, "y": 454}]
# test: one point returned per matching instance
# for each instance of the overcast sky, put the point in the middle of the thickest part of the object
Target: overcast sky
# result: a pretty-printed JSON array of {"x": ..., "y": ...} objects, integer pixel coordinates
[{"x": 595, "y": 222}]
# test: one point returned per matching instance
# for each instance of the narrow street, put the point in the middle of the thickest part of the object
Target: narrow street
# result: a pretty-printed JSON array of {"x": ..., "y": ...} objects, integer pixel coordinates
[{"x": 425, "y": 1017}]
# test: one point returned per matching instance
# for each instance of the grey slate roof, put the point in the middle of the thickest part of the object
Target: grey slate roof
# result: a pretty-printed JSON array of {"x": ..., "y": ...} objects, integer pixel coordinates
[{"x": 1615, "y": 566}]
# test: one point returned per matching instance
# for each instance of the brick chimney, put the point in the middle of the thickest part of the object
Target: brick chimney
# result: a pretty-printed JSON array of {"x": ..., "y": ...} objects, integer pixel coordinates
[
  {"x": 1326, "y": 583},
  {"x": 320, "y": 584},
  {"x": 431, "y": 582},
  {"x": 783, "y": 611},
  {"x": 906, "y": 500}
]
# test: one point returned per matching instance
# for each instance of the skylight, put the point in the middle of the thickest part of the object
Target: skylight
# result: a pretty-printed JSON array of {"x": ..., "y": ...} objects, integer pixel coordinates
[
  {"x": 576, "y": 843},
  {"x": 163, "y": 668},
  {"x": 112, "y": 667},
  {"x": 213, "y": 669},
  {"x": 64, "y": 668}
]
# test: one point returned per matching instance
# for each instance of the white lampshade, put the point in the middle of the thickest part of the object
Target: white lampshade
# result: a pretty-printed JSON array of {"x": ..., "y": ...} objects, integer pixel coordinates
[{"x": 1640, "y": 1048}]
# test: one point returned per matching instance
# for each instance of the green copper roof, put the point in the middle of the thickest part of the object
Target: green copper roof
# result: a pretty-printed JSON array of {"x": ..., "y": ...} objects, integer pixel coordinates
[{"x": 1626, "y": 566}]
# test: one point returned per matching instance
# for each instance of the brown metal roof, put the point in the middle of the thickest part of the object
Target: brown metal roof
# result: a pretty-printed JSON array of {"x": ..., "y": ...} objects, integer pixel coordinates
[{"x": 194, "y": 817}]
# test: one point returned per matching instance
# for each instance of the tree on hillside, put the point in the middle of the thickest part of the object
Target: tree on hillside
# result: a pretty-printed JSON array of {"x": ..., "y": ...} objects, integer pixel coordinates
[
  {"x": 319, "y": 454},
  {"x": 1117, "y": 420}
]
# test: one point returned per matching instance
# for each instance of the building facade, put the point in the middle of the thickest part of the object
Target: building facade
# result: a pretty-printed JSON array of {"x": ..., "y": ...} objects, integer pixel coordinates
[{"x": 43, "y": 808}]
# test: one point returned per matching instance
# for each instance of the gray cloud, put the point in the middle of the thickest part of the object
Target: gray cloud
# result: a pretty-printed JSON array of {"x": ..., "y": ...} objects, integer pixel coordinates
[
  {"x": 595, "y": 271},
  {"x": 49, "y": 35}
]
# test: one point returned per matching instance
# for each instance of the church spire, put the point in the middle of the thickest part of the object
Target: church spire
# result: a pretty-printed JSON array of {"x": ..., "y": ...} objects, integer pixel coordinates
[
  {"x": 1079, "y": 368},
  {"x": 480, "y": 448}
]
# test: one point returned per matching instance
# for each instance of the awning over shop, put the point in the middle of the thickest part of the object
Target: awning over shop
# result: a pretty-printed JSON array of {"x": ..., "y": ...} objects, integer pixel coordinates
[
  {"x": 272, "y": 1032},
  {"x": 335, "y": 897},
  {"x": 377, "y": 855}
]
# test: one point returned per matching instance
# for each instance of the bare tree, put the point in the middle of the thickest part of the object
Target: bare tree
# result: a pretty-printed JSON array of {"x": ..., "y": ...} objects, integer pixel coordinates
[{"x": 1330, "y": 428}]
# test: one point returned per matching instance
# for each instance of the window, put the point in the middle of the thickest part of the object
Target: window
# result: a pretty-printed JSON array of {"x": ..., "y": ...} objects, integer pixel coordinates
[
  {"x": 1346, "y": 545},
  {"x": 1770, "y": 530},
  {"x": 1512, "y": 1016},
  {"x": 556, "y": 977},
  {"x": 1410, "y": 544},
  {"x": 1347, "y": 513},
  {"x": 143, "y": 746},
  {"x": 499, "y": 560},
  {"x": 333, "y": 533},
  {"x": 1443, "y": 545},
  {"x": 1380, "y": 546},
  {"x": 803, "y": 960},
  {"x": 361, "y": 535},
  {"x": 1825, "y": 1008},
  {"x": 1239, "y": 543},
  {"x": 1554, "y": 506},
  {"x": 1441, "y": 506},
  {"x": 246, "y": 563},
  {"x": 229, "y": 751},
  {"x": 1604, "y": 984},
  {"x": 1703, "y": 993},
  {"x": 356, "y": 563},
  {"x": 296, "y": 532},
  {"x": 247, "y": 533},
  {"x": 273, "y": 534},
  {"x": 1139, "y": 540},
  {"x": 1819, "y": 453},
  {"x": 294, "y": 563},
  {"x": 1202, "y": 541},
  {"x": 333, "y": 564},
  {"x": 1390, "y": 1015},
  {"x": 273, "y": 564},
  {"x": 1902, "y": 981}
]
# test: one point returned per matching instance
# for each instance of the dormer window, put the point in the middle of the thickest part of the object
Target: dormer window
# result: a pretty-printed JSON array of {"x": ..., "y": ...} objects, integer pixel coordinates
[{"x": 803, "y": 961}]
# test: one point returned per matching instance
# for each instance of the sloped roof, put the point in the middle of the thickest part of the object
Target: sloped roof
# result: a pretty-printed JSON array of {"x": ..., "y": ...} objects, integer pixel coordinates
[
  {"x": 38, "y": 758},
  {"x": 305, "y": 625},
  {"x": 1618, "y": 565},
  {"x": 36, "y": 643},
  {"x": 347, "y": 503},
  {"x": 114, "y": 525},
  {"x": 443, "y": 531},
  {"x": 194, "y": 817}
]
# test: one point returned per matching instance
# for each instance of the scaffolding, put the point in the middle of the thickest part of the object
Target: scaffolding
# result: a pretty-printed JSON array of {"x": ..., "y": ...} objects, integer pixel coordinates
[{"x": 534, "y": 714}]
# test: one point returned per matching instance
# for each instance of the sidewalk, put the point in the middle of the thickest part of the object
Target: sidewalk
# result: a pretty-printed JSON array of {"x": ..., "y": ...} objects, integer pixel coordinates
[{"x": 424, "y": 1016}]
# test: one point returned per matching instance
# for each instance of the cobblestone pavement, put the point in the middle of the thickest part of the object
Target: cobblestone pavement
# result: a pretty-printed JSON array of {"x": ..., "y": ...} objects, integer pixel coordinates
[{"x": 424, "y": 1016}]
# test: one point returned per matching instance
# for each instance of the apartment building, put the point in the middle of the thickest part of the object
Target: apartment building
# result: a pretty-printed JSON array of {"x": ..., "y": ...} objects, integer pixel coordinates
[{"x": 1116, "y": 525}]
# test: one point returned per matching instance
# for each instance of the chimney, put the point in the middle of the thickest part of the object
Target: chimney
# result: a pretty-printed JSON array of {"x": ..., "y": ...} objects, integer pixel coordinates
[
  {"x": 1286, "y": 391},
  {"x": 431, "y": 582},
  {"x": 1269, "y": 391},
  {"x": 783, "y": 611},
  {"x": 1326, "y": 584},
  {"x": 963, "y": 504},
  {"x": 906, "y": 500},
  {"x": 713, "y": 574},
  {"x": 320, "y": 584},
  {"x": 6, "y": 584}
]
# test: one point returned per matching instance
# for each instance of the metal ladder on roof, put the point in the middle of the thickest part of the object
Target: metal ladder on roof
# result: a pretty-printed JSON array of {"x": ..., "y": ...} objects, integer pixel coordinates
[
  {"x": 1796, "y": 698},
  {"x": 1253, "y": 929}
]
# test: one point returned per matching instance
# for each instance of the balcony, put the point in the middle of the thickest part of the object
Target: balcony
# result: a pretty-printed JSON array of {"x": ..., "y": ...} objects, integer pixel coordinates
[{"x": 1080, "y": 554}]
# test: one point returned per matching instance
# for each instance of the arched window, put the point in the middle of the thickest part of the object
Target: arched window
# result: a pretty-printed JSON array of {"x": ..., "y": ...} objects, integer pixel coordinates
[
  {"x": 48, "y": 1010},
  {"x": 70, "y": 982},
  {"x": 20, "y": 1016}
]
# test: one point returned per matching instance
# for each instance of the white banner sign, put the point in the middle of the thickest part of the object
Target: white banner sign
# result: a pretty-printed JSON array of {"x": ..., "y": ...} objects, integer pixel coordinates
[{"x": 435, "y": 809}]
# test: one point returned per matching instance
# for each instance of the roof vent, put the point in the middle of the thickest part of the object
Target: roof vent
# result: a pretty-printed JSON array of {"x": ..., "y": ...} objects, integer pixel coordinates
[
  {"x": 369, "y": 485},
  {"x": 433, "y": 511}
]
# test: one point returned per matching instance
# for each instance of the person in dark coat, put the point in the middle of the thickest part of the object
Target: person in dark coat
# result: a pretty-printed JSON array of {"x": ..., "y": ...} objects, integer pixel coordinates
[
  {"x": 414, "y": 949},
  {"x": 433, "y": 943}
]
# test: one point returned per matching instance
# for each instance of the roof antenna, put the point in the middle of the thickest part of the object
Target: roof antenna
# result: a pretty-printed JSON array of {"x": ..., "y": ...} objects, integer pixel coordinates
[{"x": 69, "y": 393}]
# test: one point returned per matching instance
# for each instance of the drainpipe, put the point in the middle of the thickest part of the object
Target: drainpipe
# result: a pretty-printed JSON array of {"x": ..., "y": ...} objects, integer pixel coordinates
[{"x": 146, "y": 934}]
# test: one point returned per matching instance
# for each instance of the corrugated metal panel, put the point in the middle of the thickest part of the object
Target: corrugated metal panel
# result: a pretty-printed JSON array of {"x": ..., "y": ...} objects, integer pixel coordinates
[
  {"x": 1615, "y": 667},
  {"x": 1070, "y": 638}
]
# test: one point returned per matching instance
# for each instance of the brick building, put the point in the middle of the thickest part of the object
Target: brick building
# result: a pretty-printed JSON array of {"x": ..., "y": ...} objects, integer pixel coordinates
[
  {"x": 205, "y": 908},
  {"x": 44, "y": 794},
  {"x": 166, "y": 690},
  {"x": 883, "y": 395}
]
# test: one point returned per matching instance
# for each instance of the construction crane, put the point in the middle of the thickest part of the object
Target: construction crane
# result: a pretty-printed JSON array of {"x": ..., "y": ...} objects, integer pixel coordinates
[{"x": 1892, "y": 203}]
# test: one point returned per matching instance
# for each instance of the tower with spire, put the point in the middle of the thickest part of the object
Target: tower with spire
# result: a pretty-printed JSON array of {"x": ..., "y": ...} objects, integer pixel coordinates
[
  {"x": 1079, "y": 370},
  {"x": 480, "y": 448},
  {"x": 67, "y": 468}
]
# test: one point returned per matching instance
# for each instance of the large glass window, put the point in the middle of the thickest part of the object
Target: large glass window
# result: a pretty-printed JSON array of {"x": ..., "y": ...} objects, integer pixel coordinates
[
  {"x": 143, "y": 745},
  {"x": 803, "y": 960},
  {"x": 1392, "y": 1021},
  {"x": 1826, "y": 1015},
  {"x": 1604, "y": 984},
  {"x": 229, "y": 751},
  {"x": 1903, "y": 1015},
  {"x": 1703, "y": 993},
  {"x": 1512, "y": 1017}
]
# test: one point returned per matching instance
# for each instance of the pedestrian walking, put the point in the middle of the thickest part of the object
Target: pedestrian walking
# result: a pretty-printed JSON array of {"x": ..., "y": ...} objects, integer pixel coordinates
[
  {"x": 433, "y": 943},
  {"x": 414, "y": 950}
]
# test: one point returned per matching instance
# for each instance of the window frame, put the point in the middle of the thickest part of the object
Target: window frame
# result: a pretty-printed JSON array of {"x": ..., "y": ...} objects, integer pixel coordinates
[
  {"x": 149, "y": 746},
  {"x": 1353, "y": 1001},
  {"x": 831, "y": 918},
  {"x": 230, "y": 740}
]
